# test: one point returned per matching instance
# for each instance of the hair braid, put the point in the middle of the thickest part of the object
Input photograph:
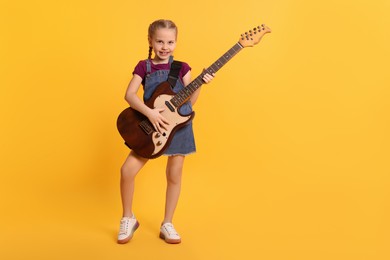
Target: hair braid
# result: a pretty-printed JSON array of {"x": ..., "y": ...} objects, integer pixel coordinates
[{"x": 150, "y": 52}]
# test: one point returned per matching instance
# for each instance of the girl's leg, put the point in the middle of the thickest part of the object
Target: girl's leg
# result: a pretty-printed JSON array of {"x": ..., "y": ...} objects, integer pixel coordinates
[
  {"x": 129, "y": 170},
  {"x": 174, "y": 174}
]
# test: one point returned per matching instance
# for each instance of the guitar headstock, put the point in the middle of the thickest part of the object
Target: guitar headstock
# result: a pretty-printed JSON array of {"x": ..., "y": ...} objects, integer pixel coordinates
[{"x": 253, "y": 37}]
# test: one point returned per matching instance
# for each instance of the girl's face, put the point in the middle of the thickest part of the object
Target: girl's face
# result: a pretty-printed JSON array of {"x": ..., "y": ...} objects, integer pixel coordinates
[{"x": 163, "y": 42}]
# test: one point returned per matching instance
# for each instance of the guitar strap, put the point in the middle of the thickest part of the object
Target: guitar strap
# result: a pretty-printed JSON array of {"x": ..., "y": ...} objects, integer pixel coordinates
[{"x": 173, "y": 75}]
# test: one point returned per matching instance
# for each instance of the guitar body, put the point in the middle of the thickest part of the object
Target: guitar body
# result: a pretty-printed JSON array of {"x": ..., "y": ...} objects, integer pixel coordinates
[{"x": 140, "y": 135}]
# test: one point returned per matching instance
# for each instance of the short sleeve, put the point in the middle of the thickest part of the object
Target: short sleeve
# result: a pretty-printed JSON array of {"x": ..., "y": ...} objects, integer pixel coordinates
[
  {"x": 185, "y": 68},
  {"x": 140, "y": 69}
]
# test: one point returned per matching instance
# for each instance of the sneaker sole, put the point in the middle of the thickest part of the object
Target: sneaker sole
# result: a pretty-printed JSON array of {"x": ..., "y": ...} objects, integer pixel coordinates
[
  {"x": 127, "y": 239},
  {"x": 170, "y": 241}
]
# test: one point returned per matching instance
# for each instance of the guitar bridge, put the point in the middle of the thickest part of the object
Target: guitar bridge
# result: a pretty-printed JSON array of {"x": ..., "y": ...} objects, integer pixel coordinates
[{"x": 146, "y": 127}]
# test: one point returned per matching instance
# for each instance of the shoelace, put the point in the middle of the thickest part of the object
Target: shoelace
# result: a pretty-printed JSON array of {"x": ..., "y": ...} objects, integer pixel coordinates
[
  {"x": 170, "y": 229},
  {"x": 124, "y": 226}
]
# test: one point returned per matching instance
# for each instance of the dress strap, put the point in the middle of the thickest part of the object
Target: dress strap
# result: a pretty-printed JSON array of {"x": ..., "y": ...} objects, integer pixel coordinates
[{"x": 148, "y": 66}]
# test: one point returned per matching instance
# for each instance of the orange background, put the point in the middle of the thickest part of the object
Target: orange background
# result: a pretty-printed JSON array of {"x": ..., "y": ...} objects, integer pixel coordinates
[{"x": 292, "y": 135}]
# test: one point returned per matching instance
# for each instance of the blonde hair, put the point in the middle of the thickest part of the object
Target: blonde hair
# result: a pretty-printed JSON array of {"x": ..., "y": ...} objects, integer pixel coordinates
[{"x": 158, "y": 24}]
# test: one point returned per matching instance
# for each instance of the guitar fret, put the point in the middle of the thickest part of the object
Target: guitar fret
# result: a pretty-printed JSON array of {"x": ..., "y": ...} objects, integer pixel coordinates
[
  {"x": 231, "y": 54},
  {"x": 219, "y": 63},
  {"x": 183, "y": 94},
  {"x": 188, "y": 91},
  {"x": 199, "y": 81},
  {"x": 191, "y": 87},
  {"x": 237, "y": 47}
]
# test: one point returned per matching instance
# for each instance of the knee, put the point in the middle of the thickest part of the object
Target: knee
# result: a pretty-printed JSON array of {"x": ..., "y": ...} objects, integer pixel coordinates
[
  {"x": 132, "y": 166},
  {"x": 174, "y": 177},
  {"x": 127, "y": 173}
]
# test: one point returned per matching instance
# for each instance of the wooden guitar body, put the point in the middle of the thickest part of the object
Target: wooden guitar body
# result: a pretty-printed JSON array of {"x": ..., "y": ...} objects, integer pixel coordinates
[{"x": 140, "y": 135}]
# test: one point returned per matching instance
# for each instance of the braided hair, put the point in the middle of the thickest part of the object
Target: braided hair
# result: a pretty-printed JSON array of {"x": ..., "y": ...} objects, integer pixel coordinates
[{"x": 158, "y": 24}]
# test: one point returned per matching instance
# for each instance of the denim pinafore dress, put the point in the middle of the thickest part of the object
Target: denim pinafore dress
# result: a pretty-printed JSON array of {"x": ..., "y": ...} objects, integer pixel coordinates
[{"x": 183, "y": 141}]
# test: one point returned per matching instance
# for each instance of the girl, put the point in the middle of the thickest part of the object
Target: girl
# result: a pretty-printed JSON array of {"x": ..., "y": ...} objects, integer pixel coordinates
[{"x": 162, "y": 37}]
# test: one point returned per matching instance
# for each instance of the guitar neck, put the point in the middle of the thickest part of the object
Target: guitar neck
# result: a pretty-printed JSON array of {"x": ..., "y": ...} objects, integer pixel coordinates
[{"x": 184, "y": 95}]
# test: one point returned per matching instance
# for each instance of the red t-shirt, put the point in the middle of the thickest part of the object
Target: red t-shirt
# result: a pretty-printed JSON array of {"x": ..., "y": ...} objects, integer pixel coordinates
[{"x": 140, "y": 69}]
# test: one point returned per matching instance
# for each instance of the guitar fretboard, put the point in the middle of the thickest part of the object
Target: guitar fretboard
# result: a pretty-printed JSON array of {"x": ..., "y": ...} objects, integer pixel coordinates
[{"x": 184, "y": 95}]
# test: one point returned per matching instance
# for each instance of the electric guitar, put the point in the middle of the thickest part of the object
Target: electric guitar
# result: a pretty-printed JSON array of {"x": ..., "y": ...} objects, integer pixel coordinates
[{"x": 139, "y": 133}]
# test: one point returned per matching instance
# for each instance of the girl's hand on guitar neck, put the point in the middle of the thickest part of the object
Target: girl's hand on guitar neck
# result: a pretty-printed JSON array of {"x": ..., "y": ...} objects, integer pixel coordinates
[
  {"x": 156, "y": 118},
  {"x": 207, "y": 77}
]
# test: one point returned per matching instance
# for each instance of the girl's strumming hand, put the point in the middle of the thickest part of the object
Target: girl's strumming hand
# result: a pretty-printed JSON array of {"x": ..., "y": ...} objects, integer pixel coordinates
[{"x": 158, "y": 121}]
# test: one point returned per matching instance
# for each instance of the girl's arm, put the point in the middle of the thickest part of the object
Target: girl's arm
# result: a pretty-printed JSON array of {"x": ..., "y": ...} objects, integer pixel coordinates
[
  {"x": 132, "y": 98},
  {"x": 136, "y": 103}
]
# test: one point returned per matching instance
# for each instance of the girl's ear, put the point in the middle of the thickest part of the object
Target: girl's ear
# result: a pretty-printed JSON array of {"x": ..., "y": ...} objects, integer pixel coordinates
[{"x": 150, "y": 41}]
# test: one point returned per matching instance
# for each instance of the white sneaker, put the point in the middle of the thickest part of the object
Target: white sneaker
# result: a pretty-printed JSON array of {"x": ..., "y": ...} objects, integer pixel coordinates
[
  {"x": 127, "y": 228},
  {"x": 169, "y": 234}
]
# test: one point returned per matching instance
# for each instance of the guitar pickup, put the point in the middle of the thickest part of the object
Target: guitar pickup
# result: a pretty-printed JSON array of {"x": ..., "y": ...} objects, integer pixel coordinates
[
  {"x": 146, "y": 127},
  {"x": 170, "y": 106}
]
